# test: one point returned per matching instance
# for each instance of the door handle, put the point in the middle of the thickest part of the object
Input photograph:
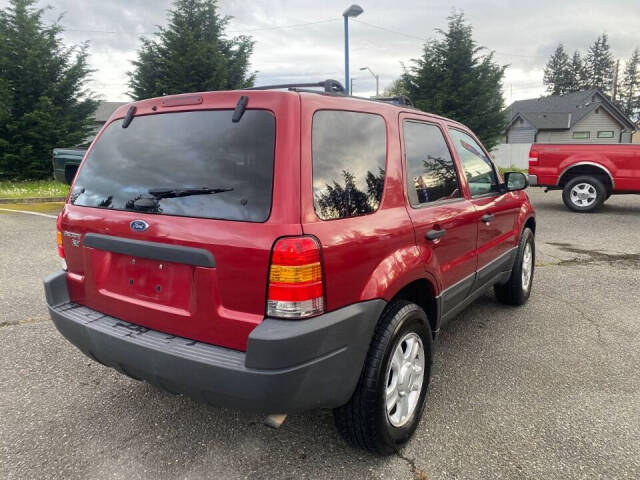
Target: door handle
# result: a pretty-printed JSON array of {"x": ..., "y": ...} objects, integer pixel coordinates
[
  {"x": 435, "y": 234},
  {"x": 487, "y": 217}
]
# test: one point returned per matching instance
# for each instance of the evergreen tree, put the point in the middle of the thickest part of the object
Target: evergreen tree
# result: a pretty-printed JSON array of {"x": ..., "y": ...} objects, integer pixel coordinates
[
  {"x": 43, "y": 101},
  {"x": 600, "y": 64},
  {"x": 453, "y": 80},
  {"x": 578, "y": 79},
  {"x": 630, "y": 86},
  {"x": 557, "y": 72},
  {"x": 191, "y": 54}
]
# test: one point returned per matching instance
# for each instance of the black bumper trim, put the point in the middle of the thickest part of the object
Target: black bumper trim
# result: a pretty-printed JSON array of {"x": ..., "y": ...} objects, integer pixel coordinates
[{"x": 316, "y": 365}]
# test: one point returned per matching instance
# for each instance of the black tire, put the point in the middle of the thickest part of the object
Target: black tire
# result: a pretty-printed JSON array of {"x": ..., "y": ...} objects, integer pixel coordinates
[
  {"x": 593, "y": 183},
  {"x": 513, "y": 292},
  {"x": 363, "y": 421}
]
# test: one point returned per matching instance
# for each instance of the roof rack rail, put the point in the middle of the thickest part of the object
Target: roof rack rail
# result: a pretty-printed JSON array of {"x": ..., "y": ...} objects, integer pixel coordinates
[
  {"x": 395, "y": 100},
  {"x": 330, "y": 86}
]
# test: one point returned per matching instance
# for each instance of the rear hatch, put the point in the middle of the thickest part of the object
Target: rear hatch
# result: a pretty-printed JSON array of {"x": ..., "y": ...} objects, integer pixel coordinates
[{"x": 171, "y": 220}]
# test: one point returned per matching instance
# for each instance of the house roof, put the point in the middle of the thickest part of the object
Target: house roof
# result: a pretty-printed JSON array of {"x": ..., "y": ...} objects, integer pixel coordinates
[
  {"x": 105, "y": 109},
  {"x": 561, "y": 112},
  {"x": 548, "y": 121}
]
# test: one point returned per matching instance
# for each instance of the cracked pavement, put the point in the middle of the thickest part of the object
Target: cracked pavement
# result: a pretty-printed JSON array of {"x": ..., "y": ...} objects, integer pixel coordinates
[{"x": 550, "y": 390}]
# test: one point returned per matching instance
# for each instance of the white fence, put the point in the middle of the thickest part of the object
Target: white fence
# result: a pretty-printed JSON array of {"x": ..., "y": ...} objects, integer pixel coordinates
[{"x": 507, "y": 155}]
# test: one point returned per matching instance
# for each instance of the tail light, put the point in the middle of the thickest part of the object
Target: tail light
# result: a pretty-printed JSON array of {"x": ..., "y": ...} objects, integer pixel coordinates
[
  {"x": 533, "y": 157},
  {"x": 295, "y": 279},
  {"x": 59, "y": 240}
]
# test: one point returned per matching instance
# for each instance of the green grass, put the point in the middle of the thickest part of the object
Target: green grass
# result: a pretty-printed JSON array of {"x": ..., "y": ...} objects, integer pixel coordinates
[{"x": 33, "y": 189}]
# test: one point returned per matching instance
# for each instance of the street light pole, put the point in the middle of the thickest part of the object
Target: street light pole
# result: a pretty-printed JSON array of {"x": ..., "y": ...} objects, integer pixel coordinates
[
  {"x": 374, "y": 76},
  {"x": 353, "y": 11}
]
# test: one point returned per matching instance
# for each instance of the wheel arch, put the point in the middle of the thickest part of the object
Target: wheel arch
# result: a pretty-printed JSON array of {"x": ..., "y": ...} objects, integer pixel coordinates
[
  {"x": 587, "y": 168},
  {"x": 422, "y": 293},
  {"x": 530, "y": 223}
]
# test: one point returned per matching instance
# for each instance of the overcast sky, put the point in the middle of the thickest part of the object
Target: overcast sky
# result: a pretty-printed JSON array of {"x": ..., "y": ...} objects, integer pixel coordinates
[{"x": 303, "y": 40}]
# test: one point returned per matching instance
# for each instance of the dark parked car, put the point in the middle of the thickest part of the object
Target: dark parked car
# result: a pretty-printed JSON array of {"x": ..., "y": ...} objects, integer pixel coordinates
[
  {"x": 280, "y": 251},
  {"x": 66, "y": 162}
]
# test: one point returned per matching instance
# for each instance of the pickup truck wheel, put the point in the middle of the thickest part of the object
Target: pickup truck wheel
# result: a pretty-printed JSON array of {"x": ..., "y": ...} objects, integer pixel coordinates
[
  {"x": 387, "y": 405},
  {"x": 518, "y": 288},
  {"x": 584, "y": 194}
]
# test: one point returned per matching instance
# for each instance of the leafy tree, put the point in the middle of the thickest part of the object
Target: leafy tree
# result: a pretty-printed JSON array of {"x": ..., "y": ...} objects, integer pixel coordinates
[
  {"x": 630, "y": 86},
  {"x": 43, "y": 101},
  {"x": 453, "y": 79},
  {"x": 191, "y": 54},
  {"x": 600, "y": 64},
  {"x": 578, "y": 77},
  {"x": 557, "y": 72}
]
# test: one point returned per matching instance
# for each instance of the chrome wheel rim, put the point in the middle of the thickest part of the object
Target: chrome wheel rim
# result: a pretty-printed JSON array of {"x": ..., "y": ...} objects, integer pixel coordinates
[
  {"x": 404, "y": 378},
  {"x": 527, "y": 266},
  {"x": 583, "y": 195}
]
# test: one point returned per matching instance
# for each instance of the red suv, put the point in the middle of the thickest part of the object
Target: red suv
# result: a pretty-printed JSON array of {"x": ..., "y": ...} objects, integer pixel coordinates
[{"x": 285, "y": 250}]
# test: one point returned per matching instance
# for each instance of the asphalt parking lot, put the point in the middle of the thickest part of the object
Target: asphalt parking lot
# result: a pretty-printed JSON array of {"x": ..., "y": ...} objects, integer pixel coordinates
[{"x": 549, "y": 390}]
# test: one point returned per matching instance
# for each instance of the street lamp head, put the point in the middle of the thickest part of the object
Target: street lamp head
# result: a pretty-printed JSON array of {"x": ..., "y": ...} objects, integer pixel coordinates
[
  {"x": 364, "y": 68},
  {"x": 353, "y": 11}
]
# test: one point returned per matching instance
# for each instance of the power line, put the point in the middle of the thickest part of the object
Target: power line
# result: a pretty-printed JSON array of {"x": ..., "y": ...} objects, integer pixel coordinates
[
  {"x": 422, "y": 39},
  {"x": 252, "y": 29}
]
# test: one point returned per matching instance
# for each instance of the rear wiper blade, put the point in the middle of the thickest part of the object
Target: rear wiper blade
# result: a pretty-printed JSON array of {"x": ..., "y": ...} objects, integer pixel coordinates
[{"x": 186, "y": 192}]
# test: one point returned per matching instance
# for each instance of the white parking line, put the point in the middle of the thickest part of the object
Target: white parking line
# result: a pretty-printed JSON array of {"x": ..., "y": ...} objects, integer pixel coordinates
[{"x": 29, "y": 213}]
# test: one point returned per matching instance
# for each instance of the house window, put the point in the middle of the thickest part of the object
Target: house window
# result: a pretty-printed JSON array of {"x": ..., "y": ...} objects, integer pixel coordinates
[
  {"x": 581, "y": 135},
  {"x": 605, "y": 134}
]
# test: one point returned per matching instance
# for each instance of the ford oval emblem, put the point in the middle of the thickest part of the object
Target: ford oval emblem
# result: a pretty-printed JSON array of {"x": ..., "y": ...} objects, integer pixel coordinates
[{"x": 139, "y": 225}]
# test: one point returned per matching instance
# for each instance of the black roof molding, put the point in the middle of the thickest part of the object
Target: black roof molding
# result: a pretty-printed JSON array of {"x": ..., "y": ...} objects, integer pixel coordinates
[
  {"x": 329, "y": 86},
  {"x": 335, "y": 88}
]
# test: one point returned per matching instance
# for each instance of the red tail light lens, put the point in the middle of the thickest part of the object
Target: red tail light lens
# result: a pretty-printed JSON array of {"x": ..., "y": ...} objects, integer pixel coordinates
[
  {"x": 533, "y": 157},
  {"x": 295, "y": 279}
]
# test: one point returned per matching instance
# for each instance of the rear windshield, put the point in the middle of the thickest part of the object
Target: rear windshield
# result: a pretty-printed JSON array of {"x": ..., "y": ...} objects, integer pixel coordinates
[{"x": 194, "y": 164}]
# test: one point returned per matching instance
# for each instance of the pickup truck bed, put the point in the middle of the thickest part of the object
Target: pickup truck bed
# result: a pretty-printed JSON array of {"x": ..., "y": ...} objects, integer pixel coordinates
[{"x": 588, "y": 174}]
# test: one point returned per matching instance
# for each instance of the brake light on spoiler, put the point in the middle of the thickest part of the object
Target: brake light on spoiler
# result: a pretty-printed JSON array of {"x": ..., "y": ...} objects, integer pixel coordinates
[{"x": 296, "y": 288}]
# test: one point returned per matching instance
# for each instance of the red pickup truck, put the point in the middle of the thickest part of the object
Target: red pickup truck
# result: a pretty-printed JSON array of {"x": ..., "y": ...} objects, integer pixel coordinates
[{"x": 587, "y": 174}]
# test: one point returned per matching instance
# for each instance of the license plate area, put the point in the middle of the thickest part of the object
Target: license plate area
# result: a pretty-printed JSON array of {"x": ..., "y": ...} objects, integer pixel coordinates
[{"x": 135, "y": 279}]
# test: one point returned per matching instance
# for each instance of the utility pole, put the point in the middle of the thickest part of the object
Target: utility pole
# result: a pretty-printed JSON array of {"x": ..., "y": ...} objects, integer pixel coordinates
[
  {"x": 351, "y": 86},
  {"x": 615, "y": 81}
]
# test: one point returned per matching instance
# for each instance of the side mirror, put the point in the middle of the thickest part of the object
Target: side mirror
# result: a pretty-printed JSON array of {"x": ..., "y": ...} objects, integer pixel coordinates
[{"x": 515, "y": 181}]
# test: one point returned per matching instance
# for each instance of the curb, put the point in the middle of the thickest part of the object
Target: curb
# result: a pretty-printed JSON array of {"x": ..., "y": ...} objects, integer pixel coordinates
[{"x": 33, "y": 200}]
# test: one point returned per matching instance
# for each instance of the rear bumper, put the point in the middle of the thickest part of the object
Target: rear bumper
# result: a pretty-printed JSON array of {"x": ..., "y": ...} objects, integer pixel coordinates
[
  {"x": 533, "y": 180},
  {"x": 288, "y": 366}
]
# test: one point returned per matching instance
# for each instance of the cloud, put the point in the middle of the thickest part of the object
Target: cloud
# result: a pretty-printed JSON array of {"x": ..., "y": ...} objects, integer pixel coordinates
[{"x": 523, "y": 34}]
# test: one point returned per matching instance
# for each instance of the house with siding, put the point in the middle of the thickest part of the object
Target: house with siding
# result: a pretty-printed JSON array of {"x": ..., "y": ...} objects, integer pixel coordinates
[
  {"x": 104, "y": 111},
  {"x": 579, "y": 117}
]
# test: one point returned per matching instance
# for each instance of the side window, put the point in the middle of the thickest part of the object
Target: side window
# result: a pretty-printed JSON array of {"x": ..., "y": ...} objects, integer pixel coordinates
[
  {"x": 349, "y": 152},
  {"x": 431, "y": 174},
  {"x": 477, "y": 167}
]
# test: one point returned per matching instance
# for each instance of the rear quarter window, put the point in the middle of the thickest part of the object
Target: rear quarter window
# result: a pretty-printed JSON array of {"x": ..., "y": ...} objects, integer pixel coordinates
[{"x": 349, "y": 151}]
